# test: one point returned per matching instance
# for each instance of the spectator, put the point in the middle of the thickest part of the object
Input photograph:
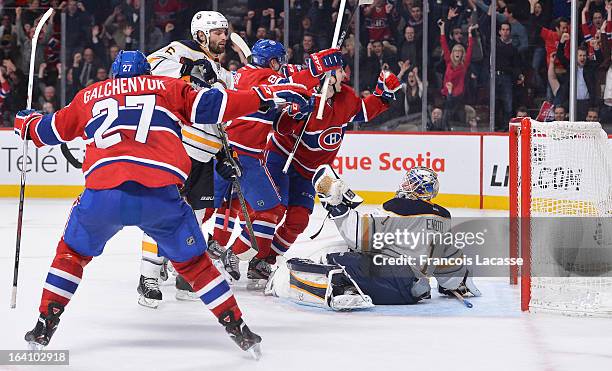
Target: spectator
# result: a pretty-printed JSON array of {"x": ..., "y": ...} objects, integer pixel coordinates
[
  {"x": 438, "y": 120},
  {"x": 457, "y": 64},
  {"x": 8, "y": 38},
  {"x": 379, "y": 59},
  {"x": 409, "y": 49},
  {"x": 522, "y": 112},
  {"x": 597, "y": 20},
  {"x": 78, "y": 22},
  {"x": 552, "y": 38},
  {"x": 48, "y": 97},
  {"x": 25, "y": 32},
  {"x": 592, "y": 115},
  {"x": 84, "y": 68},
  {"x": 301, "y": 52},
  {"x": 507, "y": 71},
  {"x": 5, "y": 89},
  {"x": 560, "y": 113},
  {"x": 412, "y": 86},
  {"x": 586, "y": 75},
  {"x": 47, "y": 107},
  {"x": 119, "y": 29},
  {"x": 520, "y": 38},
  {"x": 538, "y": 60},
  {"x": 379, "y": 21},
  {"x": 416, "y": 21},
  {"x": 101, "y": 74}
]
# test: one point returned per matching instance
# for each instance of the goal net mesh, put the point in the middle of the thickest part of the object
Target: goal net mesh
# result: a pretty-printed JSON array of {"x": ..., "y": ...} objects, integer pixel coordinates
[{"x": 570, "y": 218}]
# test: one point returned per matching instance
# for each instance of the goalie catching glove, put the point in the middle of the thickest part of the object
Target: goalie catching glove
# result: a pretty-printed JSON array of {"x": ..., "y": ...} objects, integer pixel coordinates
[
  {"x": 386, "y": 86},
  {"x": 334, "y": 194}
]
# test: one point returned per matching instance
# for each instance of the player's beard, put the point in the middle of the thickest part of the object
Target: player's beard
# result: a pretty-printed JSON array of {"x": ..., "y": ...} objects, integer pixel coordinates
[{"x": 215, "y": 48}]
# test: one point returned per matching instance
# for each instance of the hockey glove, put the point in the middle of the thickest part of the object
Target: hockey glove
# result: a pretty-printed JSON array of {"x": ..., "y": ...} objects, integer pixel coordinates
[
  {"x": 228, "y": 169},
  {"x": 386, "y": 86},
  {"x": 324, "y": 60},
  {"x": 205, "y": 66},
  {"x": 288, "y": 70},
  {"x": 24, "y": 120},
  {"x": 299, "y": 113},
  {"x": 271, "y": 95}
]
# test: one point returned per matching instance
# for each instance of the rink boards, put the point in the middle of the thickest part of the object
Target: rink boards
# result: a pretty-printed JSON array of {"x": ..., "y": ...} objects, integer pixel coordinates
[{"x": 472, "y": 167}]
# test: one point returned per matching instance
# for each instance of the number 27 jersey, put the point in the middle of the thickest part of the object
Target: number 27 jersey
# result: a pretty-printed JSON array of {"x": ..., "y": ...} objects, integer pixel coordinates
[{"x": 134, "y": 127}]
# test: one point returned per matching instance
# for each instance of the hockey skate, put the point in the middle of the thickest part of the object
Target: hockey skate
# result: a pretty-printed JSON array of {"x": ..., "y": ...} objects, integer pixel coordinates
[
  {"x": 39, "y": 337},
  {"x": 258, "y": 274},
  {"x": 184, "y": 291},
  {"x": 150, "y": 295},
  {"x": 215, "y": 250},
  {"x": 231, "y": 263},
  {"x": 241, "y": 334}
]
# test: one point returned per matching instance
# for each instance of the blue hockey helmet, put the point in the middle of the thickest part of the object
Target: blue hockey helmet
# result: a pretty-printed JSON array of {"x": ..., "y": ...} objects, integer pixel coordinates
[
  {"x": 266, "y": 50},
  {"x": 130, "y": 63},
  {"x": 419, "y": 183}
]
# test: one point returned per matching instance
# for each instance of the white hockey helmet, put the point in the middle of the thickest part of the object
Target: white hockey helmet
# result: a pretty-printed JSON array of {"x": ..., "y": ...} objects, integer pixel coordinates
[
  {"x": 419, "y": 183},
  {"x": 205, "y": 21}
]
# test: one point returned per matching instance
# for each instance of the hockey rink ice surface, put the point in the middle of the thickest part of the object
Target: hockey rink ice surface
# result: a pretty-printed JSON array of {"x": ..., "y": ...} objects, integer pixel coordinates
[{"x": 105, "y": 329}]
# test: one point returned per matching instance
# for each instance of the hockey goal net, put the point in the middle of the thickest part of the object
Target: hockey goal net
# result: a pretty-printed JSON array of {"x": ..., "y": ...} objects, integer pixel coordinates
[{"x": 561, "y": 216}]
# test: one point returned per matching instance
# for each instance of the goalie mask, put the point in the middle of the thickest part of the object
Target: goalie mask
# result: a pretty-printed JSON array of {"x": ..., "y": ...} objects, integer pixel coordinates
[
  {"x": 419, "y": 183},
  {"x": 206, "y": 21}
]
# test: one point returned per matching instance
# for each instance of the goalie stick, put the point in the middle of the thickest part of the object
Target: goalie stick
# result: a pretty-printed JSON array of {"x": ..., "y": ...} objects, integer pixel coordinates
[
  {"x": 336, "y": 43},
  {"x": 22, "y": 184}
]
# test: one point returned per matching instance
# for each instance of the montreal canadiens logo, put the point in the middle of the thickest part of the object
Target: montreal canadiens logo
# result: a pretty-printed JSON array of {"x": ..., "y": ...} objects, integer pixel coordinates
[{"x": 330, "y": 139}]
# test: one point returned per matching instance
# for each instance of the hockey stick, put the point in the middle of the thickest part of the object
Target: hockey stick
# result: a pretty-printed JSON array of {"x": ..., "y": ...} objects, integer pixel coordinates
[
  {"x": 69, "y": 157},
  {"x": 461, "y": 299},
  {"x": 236, "y": 184},
  {"x": 336, "y": 42},
  {"x": 241, "y": 44},
  {"x": 22, "y": 184}
]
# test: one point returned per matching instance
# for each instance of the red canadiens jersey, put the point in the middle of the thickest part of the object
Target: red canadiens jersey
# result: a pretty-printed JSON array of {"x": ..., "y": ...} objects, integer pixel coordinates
[
  {"x": 133, "y": 127},
  {"x": 249, "y": 134},
  {"x": 323, "y": 138}
]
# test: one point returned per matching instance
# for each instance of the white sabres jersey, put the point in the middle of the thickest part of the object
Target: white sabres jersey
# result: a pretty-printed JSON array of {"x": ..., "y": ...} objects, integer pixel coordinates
[{"x": 201, "y": 142}]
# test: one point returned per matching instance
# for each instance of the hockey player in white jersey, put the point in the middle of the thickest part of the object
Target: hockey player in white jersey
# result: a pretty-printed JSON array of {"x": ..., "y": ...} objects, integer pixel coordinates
[
  {"x": 358, "y": 277},
  {"x": 196, "y": 61}
]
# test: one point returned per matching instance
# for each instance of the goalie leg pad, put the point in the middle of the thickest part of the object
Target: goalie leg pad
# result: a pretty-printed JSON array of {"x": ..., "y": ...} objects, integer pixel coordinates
[
  {"x": 385, "y": 284},
  {"x": 324, "y": 285}
]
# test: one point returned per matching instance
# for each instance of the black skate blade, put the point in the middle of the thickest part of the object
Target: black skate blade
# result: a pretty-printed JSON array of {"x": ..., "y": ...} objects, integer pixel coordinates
[{"x": 255, "y": 351}]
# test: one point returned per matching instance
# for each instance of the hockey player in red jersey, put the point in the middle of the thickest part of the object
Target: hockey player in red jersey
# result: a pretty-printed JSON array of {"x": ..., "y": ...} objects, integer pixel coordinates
[
  {"x": 248, "y": 136},
  {"x": 132, "y": 167},
  {"x": 318, "y": 146}
]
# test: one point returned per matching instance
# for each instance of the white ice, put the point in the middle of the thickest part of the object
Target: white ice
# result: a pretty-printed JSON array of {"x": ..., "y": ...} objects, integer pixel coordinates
[{"x": 105, "y": 329}]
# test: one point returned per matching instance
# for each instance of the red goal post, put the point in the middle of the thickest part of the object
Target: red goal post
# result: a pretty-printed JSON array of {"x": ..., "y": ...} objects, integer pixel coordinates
[{"x": 560, "y": 193}]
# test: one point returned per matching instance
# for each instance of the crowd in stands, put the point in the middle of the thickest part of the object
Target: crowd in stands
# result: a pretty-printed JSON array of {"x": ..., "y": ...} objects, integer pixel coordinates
[{"x": 531, "y": 65}]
